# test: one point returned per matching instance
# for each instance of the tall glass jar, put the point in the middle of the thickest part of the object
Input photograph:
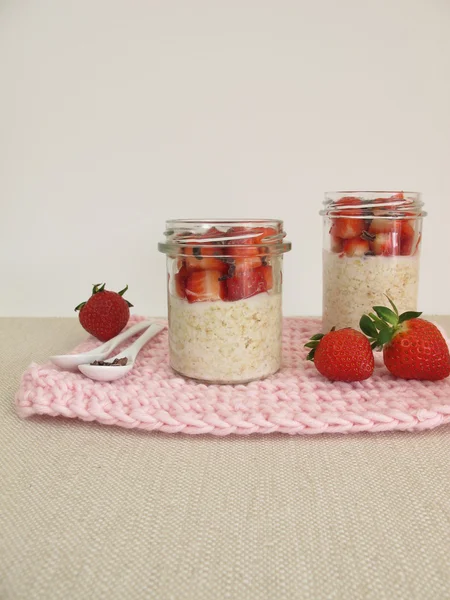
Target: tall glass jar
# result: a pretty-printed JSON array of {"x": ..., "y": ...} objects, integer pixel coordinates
[
  {"x": 224, "y": 298},
  {"x": 371, "y": 249}
]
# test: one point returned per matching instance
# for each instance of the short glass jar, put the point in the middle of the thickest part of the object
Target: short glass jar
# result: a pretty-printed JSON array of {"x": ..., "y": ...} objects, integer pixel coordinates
[
  {"x": 371, "y": 249},
  {"x": 224, "y": 298}
]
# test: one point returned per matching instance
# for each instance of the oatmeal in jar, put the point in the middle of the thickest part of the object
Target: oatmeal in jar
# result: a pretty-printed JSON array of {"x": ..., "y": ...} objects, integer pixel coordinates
[
  {"x": 371, "y": 249},
  {"x": 224, "y": 298}
]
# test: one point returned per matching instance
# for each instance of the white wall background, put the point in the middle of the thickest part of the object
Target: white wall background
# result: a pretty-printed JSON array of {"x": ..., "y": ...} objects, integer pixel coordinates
[{"x": 116, "y": 115}]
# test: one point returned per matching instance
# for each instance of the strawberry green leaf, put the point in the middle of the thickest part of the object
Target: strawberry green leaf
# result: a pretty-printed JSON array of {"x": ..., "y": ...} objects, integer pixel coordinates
[
  {"x": 374, "y": 345},
  {"x": 129, "y": 303},
  {"x": 311, "y": 345},
  {"x": 311, "y": 355},
  {"x": 98, "y": 287},
  {"x": 386, "y": 314},
  {"x": 394, "y": 308},
  {"x": 384, "y": 336},
  {"x": 379, "y": 324},
  {"x": 122, "y": 292},
  {"x": 367, "y": 326},
  {"x": 406, "y": 316},
  {"x": 80, "y": 306},
  {"x": 317, "y": 336}
]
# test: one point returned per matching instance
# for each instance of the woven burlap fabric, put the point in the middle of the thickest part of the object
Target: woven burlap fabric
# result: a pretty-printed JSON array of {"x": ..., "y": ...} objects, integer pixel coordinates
[{"x": 89, "y": 511}]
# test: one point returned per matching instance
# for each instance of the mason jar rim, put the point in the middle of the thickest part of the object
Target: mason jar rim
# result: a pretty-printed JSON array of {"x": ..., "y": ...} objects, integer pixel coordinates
[
  {"x": 388, "y": 204},
  {"x": 176, "y": 242}
]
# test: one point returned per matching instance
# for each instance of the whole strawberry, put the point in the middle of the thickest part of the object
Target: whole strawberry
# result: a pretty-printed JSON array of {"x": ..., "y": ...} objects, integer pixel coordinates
[
  {"x": 342, "y": 355},
  {"x": 105, "y": 314},
  {"x": 413, "y": 348}
]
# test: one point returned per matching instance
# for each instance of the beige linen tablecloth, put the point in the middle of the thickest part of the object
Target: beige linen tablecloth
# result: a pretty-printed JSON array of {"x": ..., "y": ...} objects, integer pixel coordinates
[{"x": 88, "y": 511}]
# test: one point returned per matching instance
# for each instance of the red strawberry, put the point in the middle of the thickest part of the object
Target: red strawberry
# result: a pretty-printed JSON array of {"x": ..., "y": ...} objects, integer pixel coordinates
[
  {"x": 342, "y": 355},
  {"x": 413, "y": 348},
  {"x": 355, "y": 247},
  {"x": 347, "y": 227},
  {"x": 248, "y": 283},
  {"x": 105, "y": 314},
  {"x": 202, "y": 286}
]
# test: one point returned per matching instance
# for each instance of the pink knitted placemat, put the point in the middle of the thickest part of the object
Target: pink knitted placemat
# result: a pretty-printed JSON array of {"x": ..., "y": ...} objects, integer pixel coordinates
[{"x": 297, "y": 400}]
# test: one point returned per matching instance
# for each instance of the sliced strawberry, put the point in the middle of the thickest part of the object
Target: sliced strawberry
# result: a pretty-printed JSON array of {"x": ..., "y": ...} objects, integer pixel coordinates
[
  {"x": 245, "y": 264},
  {"x": 202, "y": 286},
  {"x": 347, "y": 227},
  {"x": 336, "y": 244},
  {"x": 243, "y": 241},
  {"x": 264, "y": 233},
  {"x": 207, "y": 263},
  {"x": 407, "y": 239},
  {"x": 247, "y": 284},
  {"x": 266, "y": 273},
  {"x": 350, "y": 201},
  {"x": 386, "y": 244},
  {"x": 207, "y": 248},
  {"x": 385, "y": 226},
  {"x": 180, "y": 282},
  {"x": 355, "y": 247}
]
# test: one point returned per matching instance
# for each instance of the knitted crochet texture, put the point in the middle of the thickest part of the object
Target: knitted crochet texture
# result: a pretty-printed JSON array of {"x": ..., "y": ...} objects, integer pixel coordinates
[{"x": 297, "y": 400}]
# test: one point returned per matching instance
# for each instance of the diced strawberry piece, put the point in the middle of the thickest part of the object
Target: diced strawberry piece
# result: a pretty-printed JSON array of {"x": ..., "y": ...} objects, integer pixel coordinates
[
  {"x": 385, "y": 226},
  {"x": 335, "y": 244},
  {"x": 206, "y": 263},
  {"x": 180, "y": 282},
  {"x": 247, "y": 284},
  {"x": 264, "y": 233},
  {"x": 245, "y": 264},
  {"x": 350, "y": 201},
  {"x": 407, "y": 239},
  {"x": 355, "y": 247},
  {"x": 347, "y": 227},
  {"x": 267, "y": 274},
  {"x": 213, "y": 232},
  {"x": 243, "y": 241},
  {"x": 386, "y": 244},
  {"x": 203, "y": 286},
  {"x": 208, "y": 247}
]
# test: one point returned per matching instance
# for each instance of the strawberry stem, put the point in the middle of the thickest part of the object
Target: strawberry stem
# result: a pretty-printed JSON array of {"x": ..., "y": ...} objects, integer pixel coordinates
[
  {"x": 313, "y": 343},
  {"x": 98, "y": 287},
  {"x": 381, "y": 327}
]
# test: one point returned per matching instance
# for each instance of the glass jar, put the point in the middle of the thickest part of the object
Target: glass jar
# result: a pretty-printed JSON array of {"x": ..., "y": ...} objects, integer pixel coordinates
[
  {"x": 224, "y": 298},
  {"x": 371, "y": 249}
]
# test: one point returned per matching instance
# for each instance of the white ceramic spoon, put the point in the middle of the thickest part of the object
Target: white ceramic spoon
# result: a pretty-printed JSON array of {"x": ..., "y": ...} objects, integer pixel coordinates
[
  {"x": 113, "y": 372},
  {"x": 70, "y": 362}
]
